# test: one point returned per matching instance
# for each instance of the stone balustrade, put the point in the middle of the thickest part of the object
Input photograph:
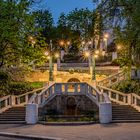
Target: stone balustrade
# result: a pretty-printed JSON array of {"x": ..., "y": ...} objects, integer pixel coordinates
[
  {"x": 68, "y": 89},
  {"x": 5, "y": 103},
  {"x": 20, "y": 100},
  {"x": 121, "y": 98},
  {"x": 113, "y": 79}
]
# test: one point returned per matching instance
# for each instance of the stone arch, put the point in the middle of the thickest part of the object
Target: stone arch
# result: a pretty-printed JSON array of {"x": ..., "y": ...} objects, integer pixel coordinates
[
  {"x": 71, "y": 106},
  {"x": 76, "y": 80}
]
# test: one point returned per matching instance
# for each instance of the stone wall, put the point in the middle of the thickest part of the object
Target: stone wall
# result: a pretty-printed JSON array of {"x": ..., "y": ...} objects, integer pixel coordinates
[
  {"x": 70, "y": 105},
  {"x": 43, "y": 76}
]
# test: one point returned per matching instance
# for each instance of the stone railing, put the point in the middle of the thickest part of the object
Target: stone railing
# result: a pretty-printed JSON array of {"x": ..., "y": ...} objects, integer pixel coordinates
[
  {"x": 5, "y": 103},
  {"x": 135, "y": 101},
  {"x": 20, "y": 100},
  {"x": 68, "y": 89},
  {"x": 113, "y": 79},
  {"x": 121, "y": 98}
]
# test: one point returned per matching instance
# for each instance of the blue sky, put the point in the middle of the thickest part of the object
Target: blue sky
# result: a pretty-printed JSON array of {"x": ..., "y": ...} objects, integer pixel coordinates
[{"x": 58, "y": 6}]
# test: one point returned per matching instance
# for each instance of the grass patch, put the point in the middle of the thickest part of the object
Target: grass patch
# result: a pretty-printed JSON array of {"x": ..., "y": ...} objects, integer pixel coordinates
[{"x": 36, "y": 85}]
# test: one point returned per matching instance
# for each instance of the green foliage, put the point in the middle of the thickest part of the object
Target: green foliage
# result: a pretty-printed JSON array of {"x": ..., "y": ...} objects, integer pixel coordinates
[
  {"x": 128, "y": 86},
  {"x": 17, "y": 24},
  {"x": 37, "y": 84},
  {"x": 122, "y": 61},
  {"x": 4, "y": 83},
  {"x": 17, "y": 88},
  {"x": 122, "y": 17}
]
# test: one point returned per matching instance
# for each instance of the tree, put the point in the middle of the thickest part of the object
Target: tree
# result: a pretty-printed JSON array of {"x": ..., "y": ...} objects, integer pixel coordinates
[
  {"x": 17, "y": 24},
  {"x": 81, "y": 20},
  {"x": 123, "y": 17},
  {"x": 44, "y": 23}
]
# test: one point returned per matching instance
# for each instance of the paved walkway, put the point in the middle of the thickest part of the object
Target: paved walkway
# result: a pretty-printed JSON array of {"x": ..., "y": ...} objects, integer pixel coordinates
[{"x": 124, "y": 131}]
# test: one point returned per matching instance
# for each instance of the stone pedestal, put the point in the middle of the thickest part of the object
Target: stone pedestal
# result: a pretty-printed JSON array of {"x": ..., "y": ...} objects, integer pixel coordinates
[
  {"x": 105, "y": 113},
  {"x": 114, "y": 55},
  {"x": 62, "y": 55},
  {"x": 31, "y": 113}
]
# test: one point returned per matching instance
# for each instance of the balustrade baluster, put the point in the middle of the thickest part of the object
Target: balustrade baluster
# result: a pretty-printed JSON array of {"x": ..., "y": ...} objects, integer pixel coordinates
[
  {"x": 6, "y": 103},
  {"x": 117, "y": 97},
  {"x": 39, "y": 99},
  {"x": 109, "y": 94},
  {"x": 135, "y": 101},
  {"x": 58, "y": 88},
  {"x": 18, "y": 100},
  {"x": 26, "y": 98},
  {"x": 50, "y": 90},
  {"x": 75, "y": 88},
  {"x": 13, "y": 100},
  {"x": 110, "y": 82},
  {"x": 90, "y": 90}
]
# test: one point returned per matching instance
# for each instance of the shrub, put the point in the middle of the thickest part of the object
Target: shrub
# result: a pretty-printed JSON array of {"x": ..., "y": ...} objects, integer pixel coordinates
[
  {"x": 17, "y": 88},
  {"x": 129, "y": 86}
]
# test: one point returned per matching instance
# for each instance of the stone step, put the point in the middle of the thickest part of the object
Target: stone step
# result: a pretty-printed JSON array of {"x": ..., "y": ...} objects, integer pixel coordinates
[
  {"x": 13, "y": 115},
  {"x": 12, "y": 122},
  {"x": 124, "y": 113}
]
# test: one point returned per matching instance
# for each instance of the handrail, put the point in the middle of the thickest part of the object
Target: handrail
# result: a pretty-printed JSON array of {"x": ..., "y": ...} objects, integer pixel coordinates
[
  {"x": 30, "y": 92},
  {"x": 33, "y": 98},
  {"x": 5, "y": 97},
  {"x": 7, "y": 102},
  {"x": 131, "y": 99},
  {"x": 112, "y": 79},
  {"x": 69, "y": 89}
]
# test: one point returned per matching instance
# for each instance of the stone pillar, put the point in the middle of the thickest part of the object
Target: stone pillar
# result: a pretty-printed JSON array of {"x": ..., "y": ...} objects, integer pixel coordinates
[
  {"x": 31, "y": 113},
  {"x": 114, "y": 55},
  {"x": 13, "y": 100},
  {"x": 62, "y": 55},
  {"x": 58, "y": 63},
  {"x": 129, "y": 99},
  {"x": 105, "y": 113},
  {"x": 55, "y": 69}
]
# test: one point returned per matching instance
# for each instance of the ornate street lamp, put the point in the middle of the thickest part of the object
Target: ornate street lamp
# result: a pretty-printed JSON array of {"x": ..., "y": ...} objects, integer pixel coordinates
[
  {"x": 50, "y": 58},
  {"x": 95, "y": 55},
  {"x": 105, "y": 38}
]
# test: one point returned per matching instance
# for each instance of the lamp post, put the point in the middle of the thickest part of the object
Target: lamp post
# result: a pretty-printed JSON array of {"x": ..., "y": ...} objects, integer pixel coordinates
[
  {"x": 94, "y": 55},
  {"x": 106, "y": 36},
  {"x": 50, "y": 56},
  {"x": 50, "y": 63},
  {"x": 93, "y": 68}
]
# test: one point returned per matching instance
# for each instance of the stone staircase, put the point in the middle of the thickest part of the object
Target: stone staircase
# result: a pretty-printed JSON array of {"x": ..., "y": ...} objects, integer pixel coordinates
[
  {"x": 13, "y": 115},
  {"x": 124, "y": 113}
]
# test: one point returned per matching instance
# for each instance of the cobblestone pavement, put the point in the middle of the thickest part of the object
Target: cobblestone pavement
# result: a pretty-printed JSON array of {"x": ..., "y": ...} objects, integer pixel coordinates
[{"x": 120, "y": 131}]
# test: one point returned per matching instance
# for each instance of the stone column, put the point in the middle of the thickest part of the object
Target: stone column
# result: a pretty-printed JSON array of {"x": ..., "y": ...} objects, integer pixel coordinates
[
  {"x": 58, "y": 63},
  {"x": 62, "y": 55},
  {"x": 105, "y": 113},
  {"x": 114, "y": 55},
  {"x": 31, "y": 113}
]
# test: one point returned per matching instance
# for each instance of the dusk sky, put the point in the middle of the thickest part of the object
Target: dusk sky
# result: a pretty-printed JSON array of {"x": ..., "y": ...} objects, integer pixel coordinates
[{"x": 58, "y": 6}]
